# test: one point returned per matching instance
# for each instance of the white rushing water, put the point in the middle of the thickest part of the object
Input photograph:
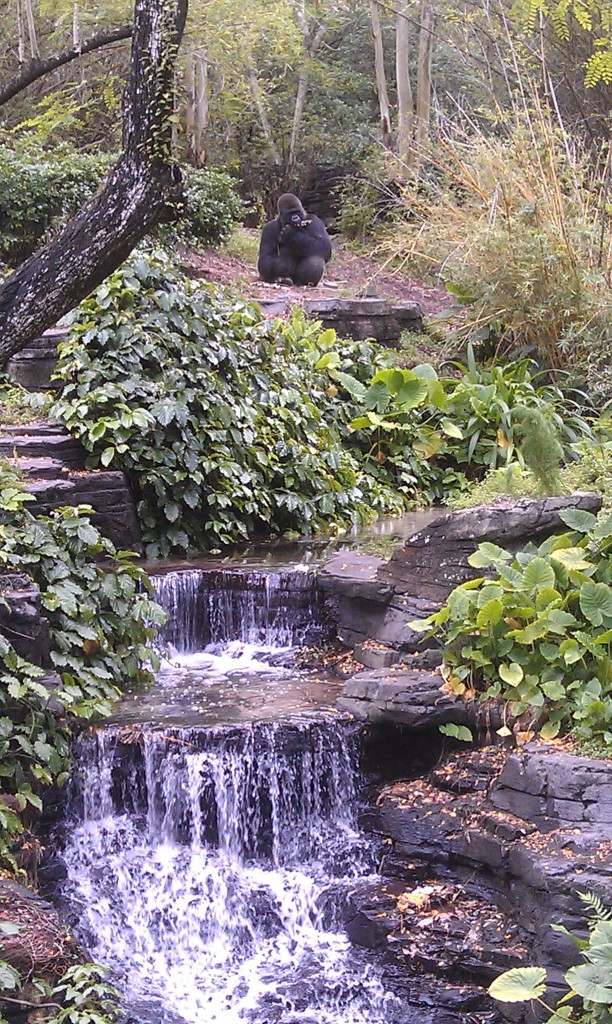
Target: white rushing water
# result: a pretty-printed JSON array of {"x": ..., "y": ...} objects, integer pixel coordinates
[
  {"x": 212, "y": 844},
  {"x": 207, "y": 868}
]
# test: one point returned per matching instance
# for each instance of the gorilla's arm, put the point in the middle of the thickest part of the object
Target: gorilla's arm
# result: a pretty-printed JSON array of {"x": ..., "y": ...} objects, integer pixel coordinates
[
  {"x": 310, "y": 240},
  {"x": 271, "y": 263}
]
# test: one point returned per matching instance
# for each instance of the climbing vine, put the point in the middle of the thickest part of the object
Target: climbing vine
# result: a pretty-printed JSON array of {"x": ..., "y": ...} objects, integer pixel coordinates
[{"x": 102, "y": 622}]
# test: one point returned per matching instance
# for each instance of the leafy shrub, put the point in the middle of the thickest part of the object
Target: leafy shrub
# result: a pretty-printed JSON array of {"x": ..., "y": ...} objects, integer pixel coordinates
[
  {"x": 212, "y": 207},
  {"x": 101, "y": 626},
  {"x": 40, "y": 191},
  {"x": 80, "y": 996},
  {"x": 591, "y": 980},
  {"x": 226, "y": 424},
  {"x": 537, "y": 631},
  {"x": 429, "y": 435}
]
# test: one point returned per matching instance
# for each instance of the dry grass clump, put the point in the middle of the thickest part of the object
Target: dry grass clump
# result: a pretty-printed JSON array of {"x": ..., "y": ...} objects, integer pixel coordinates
[{"x": 515, "y": 221}]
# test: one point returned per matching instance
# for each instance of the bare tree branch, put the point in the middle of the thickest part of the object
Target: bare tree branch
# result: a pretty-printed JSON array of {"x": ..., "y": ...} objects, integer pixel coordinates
[{"x": 35, "y": 69}]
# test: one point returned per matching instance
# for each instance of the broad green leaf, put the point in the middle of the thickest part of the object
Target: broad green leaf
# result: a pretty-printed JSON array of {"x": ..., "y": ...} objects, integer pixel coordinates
[
  {"x": 538, "y": 574},
  {"x": 596, "y": 602},
  {"x": 451, "y": 429},
  {"x": 457, "y": 732},
  {"x": 426, "y": 448},
  {"x": 549, "y": 730},
  {"x": 490, "y": 613},
  {"x": 577, "y": 519},
  {"x": 511, "y": 674},
  {"x": 553, "y": 690},
  {"x": 591, "y": 981},
  {"x": 572, "y": 558},
  {"x": 488, "y": 554},
  {"x": 519, "y": 985},
  {"x": 9, "y": 978}
]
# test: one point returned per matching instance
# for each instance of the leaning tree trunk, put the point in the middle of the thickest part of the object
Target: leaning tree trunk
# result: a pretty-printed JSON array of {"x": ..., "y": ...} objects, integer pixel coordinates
[{"x": 142, "y": 189}]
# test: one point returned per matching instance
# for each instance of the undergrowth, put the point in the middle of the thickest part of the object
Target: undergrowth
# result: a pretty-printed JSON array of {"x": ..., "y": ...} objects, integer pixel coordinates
[
  {"x": 514, "y": 222},
  {"x": 227, "y": 425},
  {"x": 102, "y": 622}
]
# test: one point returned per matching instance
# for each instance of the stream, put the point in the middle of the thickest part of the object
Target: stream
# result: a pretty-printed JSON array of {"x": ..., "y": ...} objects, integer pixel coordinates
[{"x": 212, "y": 840}]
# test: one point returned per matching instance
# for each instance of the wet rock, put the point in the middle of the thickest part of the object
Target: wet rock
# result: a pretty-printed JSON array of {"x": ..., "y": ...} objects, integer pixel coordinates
[
  {"x": 21, "y": 618},
  {"x": 411, "y": 698},
  {"x": 494, "y": 821}
]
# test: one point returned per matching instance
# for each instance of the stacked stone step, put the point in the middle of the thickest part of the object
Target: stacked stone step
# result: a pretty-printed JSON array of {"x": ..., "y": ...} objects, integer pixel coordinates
[
  {"x": 33, "y": 366},
  {"x": 52, "y": 464}
]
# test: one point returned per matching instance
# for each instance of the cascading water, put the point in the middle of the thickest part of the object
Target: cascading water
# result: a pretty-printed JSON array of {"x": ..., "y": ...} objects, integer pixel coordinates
[
  {"x": 216, "y": 607},
  {"x": 213, "y": 846},
  {"x": 208, "y": 867}
]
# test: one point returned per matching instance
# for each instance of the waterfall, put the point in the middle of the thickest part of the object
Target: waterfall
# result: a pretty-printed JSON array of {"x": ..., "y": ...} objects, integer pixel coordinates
[
  {"x": 210, "y": 607},
  {"x": 208, "y": 867}
]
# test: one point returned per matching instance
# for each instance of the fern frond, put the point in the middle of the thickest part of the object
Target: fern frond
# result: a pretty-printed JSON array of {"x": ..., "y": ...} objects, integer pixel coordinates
[{"x": 596, "y": 906}]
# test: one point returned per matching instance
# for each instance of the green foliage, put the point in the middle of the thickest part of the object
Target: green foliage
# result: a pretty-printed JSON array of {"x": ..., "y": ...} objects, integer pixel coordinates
[
  {"x": 18, "y": 406},
  {"x": 536, "y": 631},
  {"x": 591, "y": 980},
  {"x": 429, "y": 435},
  {"x": 86, "y": 997},
  {"x": 593, "y": 469},
  {"x": 81, "y": 995},
  {"x": 540, "y": 448},
  {"x": 101, "y": 622},
  {"x": 226, "y": 424},
  {"x": 513, "y": 222},
  {"x": 40, "y": 190},
  {"x": 212, "y": 207},
  {"x": 510, "y": 481}
]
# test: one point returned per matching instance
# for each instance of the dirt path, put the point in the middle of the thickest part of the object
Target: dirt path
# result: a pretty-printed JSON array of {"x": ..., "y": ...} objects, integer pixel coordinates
[{"x": 347, "y": 276}]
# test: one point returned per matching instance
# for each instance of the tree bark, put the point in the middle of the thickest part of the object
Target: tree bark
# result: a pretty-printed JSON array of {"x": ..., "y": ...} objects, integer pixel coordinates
[
  {"x": 312, "y": 37},
  {"x": 142, "y": 189},
  {"x": 201, "y": 109},
  {"x": 34, "y": 51},
  {"x": 35, "y": 69},
  {"x": 405, "y": 99},
  {"x": 381, "y": 77},
  {"x": 423, "y": 100},
  {"x": 264, "y": 120}
]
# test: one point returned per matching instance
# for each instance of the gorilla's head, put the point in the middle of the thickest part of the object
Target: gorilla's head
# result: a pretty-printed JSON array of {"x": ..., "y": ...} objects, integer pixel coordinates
[{"x": 290, "y": 209}]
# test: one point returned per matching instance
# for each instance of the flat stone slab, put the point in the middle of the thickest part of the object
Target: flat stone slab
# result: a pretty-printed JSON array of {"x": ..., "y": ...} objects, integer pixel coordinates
[
  {"x": 52, "y": 463},
  {"x": 408, "y": 697},
  {"x": 366, "y": 318},
  {"x": 32, "y": 366}
]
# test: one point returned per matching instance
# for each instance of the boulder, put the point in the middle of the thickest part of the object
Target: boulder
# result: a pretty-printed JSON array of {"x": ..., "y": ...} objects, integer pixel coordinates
[{"x": 366, "y": 318}]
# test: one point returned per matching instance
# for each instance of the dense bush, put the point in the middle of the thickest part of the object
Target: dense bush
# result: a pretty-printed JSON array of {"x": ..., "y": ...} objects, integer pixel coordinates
[
  {"x": 226, "y": 424},
  {"x": 41, "y": 190},
  {"x": 536, "y": 631},
  {"x": 101, "y": 623},
  {"x": 430, "y": 435}
]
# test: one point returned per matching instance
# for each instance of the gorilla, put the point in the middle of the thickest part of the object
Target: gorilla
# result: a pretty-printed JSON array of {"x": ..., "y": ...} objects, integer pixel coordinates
[{"x": 294, "y": 247}]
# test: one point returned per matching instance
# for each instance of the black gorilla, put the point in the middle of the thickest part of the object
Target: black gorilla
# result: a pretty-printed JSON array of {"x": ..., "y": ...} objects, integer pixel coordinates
[{"x": 294, "y": 247}]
